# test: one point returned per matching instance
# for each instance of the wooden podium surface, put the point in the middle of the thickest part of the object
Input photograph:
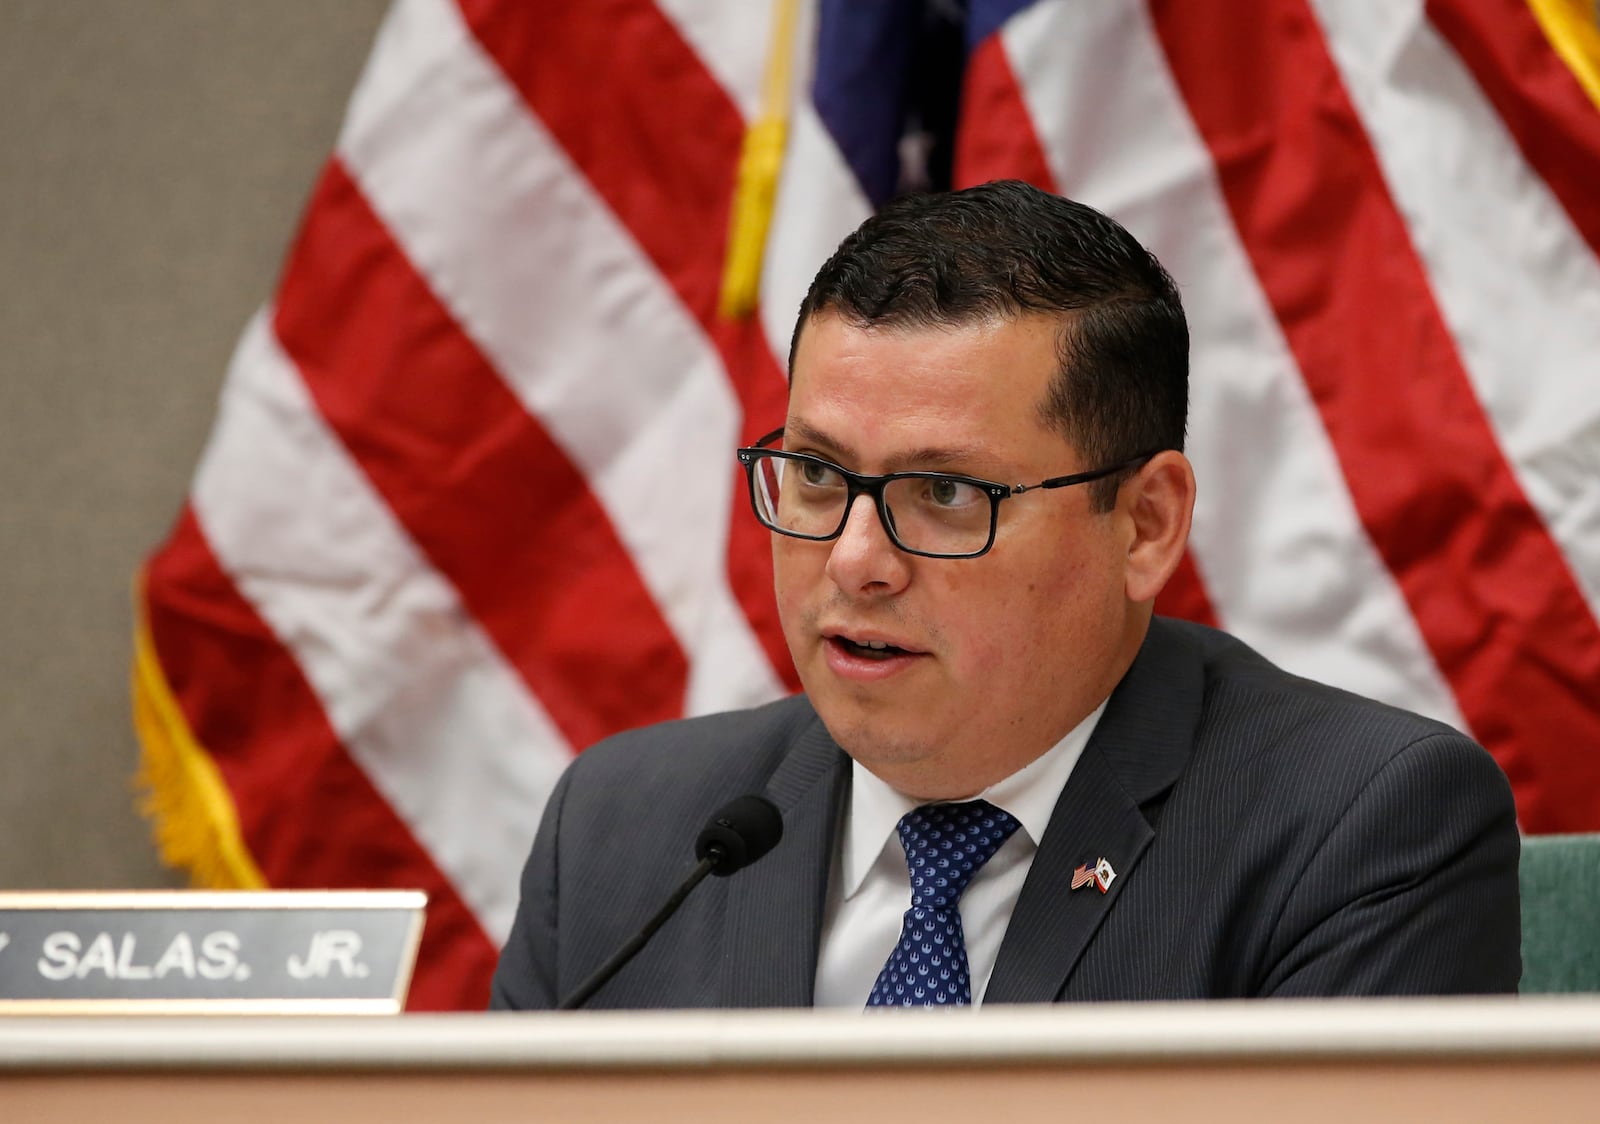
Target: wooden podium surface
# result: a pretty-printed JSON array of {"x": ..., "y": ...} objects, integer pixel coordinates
[{"x": 1350, "y": 1062}]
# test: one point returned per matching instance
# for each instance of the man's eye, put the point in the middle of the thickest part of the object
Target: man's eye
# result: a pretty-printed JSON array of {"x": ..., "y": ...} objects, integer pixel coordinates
[
  {"x": 818, "y": 475},
  {"x": 952, "y": 493}
]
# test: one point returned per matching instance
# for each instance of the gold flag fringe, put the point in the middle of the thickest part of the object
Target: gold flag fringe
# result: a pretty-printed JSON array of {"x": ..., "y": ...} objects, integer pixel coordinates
[
  {"x": 760, "y": 162},
  {"x": 1573, "y": 28},
  {"x": 182, "y": 794}
]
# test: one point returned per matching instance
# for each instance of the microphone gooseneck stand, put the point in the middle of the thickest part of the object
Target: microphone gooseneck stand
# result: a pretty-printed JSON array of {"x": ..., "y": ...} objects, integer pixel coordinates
[{"x": 738, "y": 834}]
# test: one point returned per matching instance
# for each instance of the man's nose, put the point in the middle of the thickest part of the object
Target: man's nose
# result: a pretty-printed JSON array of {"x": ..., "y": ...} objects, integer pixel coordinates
[{"x": 863, "y": 559}]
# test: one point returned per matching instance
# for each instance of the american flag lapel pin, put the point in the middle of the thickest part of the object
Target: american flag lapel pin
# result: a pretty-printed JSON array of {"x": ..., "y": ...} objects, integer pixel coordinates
[{"x": 1100, "y": 875}]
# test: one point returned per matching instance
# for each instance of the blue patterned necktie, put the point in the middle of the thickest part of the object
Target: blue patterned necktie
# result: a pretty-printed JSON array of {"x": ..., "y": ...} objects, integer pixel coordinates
[{"x": 945, "y": 846}]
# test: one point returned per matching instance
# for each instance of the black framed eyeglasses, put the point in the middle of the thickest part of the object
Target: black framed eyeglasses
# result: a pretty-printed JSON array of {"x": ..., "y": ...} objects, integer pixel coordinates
[{"x": 931, "y": 514}]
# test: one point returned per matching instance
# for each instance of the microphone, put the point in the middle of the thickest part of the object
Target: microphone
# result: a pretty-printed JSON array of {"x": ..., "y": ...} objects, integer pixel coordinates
[
  {"x": 738, "y": 833},
  {"x": 741, "y": 832}
]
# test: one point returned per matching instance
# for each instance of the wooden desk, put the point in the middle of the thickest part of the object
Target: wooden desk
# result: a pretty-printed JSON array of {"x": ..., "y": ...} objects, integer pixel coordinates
[{"x": 1344, "y": 1062}]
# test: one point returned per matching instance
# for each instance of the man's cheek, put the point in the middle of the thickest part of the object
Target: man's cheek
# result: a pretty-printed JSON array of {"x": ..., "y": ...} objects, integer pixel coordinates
[
  {"x": 786, "y": 588},
  {"x": 799, "y": 622},
  {"x": 983, "y": 653}
]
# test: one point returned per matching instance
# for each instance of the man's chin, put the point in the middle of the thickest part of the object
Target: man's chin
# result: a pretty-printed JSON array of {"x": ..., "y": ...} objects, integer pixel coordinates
[{"x": 884, "y": 747}]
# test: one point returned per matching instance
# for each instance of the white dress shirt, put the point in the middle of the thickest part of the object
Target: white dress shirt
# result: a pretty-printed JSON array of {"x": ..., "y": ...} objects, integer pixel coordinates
[{"x": 869, "y": 888}]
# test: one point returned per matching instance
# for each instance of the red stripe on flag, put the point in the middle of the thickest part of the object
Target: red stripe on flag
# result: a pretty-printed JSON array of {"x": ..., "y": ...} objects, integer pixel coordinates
[
  {"x": 308, "y": 813},
  {"x": 659, "y": 141},
  {"x": 1185, "y": 594},
  {"x": 480, "y": 487},
  {"x": 1490, "y": 591},
  {"x": 1537, "y": 96},
  {"x": 995, "y": 139}
]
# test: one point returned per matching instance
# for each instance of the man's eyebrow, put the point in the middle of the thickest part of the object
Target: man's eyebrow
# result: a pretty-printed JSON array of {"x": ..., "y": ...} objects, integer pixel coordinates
[
  {"x": 926, "y": 458},
  {"x": 934, "y": 458},
  {"x": 796, "y": 429}
]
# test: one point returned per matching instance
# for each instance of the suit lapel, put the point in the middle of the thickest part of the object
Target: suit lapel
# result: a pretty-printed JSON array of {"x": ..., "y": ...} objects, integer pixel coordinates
[
  {"x": 774, "y": 909},
  {"x": 1107, "y": 810}
]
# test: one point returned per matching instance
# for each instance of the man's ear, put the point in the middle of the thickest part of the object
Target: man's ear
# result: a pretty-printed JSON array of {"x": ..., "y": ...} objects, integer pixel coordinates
[{"x": 1158, "y": 502}]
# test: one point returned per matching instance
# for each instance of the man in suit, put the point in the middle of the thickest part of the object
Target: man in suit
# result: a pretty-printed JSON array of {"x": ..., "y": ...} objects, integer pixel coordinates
[{"x": 1007, "y": 781}]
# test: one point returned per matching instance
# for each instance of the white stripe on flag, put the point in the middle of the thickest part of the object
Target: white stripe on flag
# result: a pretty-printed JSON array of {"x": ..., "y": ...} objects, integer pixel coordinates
[
  {"x": 418, "y": 695},
  {"x": 819, "y": 202},
  {"x": 1518, "y": 286},
  {"x": 731, "y": 40},
  {"x": 540, "y": 275},
  {"x": 1286, "y": 561}
]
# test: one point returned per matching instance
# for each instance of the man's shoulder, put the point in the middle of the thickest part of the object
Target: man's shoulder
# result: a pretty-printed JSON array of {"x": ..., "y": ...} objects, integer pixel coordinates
[
  {"x": 1347, "y": 845},
  {"x": 1318, "y": 739},
  {"x": 1249, "y": 687},
  {"x": 744, "y": 744}
]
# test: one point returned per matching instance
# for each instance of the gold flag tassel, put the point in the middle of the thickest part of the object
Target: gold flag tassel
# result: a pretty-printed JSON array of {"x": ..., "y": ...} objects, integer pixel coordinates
[
  {"x": 1573, "y": 28},
  {"x": 182, "y": 793},
  {"x": 760, "y": 162}
]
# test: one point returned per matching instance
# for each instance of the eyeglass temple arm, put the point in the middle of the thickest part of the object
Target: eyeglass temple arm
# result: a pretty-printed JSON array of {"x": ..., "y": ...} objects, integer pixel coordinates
[{"x": 1083, "y": 477}]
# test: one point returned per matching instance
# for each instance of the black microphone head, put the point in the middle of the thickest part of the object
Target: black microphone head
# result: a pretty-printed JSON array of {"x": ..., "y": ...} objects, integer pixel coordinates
[{"x": 739, "y": 833}]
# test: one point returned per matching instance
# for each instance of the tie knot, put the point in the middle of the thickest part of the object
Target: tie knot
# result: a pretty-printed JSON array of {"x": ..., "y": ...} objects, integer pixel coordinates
[{"x": 946, "y": 844}]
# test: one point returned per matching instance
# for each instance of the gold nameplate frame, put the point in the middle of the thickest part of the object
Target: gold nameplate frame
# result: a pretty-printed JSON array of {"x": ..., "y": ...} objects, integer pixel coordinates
[{"x": 300, "y": 952}]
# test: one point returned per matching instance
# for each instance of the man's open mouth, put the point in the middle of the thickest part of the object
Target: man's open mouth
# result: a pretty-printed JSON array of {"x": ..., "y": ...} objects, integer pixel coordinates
[{"x": 869, "y": 649}]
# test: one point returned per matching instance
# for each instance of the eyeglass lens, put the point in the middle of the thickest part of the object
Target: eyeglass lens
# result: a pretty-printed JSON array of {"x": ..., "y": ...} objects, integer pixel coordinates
[{"x": 937, "y": 515}]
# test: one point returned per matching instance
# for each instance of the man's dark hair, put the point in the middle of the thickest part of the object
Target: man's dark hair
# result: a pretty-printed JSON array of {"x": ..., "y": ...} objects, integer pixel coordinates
[{"x": 1004, "y": 249}]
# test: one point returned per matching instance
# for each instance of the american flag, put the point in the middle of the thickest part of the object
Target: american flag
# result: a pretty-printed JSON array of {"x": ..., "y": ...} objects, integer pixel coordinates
[{"x": 471, "y": 503}]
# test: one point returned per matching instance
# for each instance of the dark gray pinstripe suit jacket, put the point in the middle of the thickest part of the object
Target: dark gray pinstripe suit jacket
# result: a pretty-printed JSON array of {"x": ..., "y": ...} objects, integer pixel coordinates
[{"x": 1271, "y": 836}]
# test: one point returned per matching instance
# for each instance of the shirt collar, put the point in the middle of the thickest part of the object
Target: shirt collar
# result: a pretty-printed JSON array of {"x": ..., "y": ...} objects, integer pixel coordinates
[{"x": 1029, "y": 794}]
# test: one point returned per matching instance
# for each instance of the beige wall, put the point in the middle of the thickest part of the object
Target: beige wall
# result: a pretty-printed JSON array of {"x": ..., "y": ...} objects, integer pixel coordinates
[{"x": 154, "y": 156}]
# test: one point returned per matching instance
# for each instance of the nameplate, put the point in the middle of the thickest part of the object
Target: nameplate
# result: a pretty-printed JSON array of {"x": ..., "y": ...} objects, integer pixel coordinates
[{"x": 176, "y": 952}]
